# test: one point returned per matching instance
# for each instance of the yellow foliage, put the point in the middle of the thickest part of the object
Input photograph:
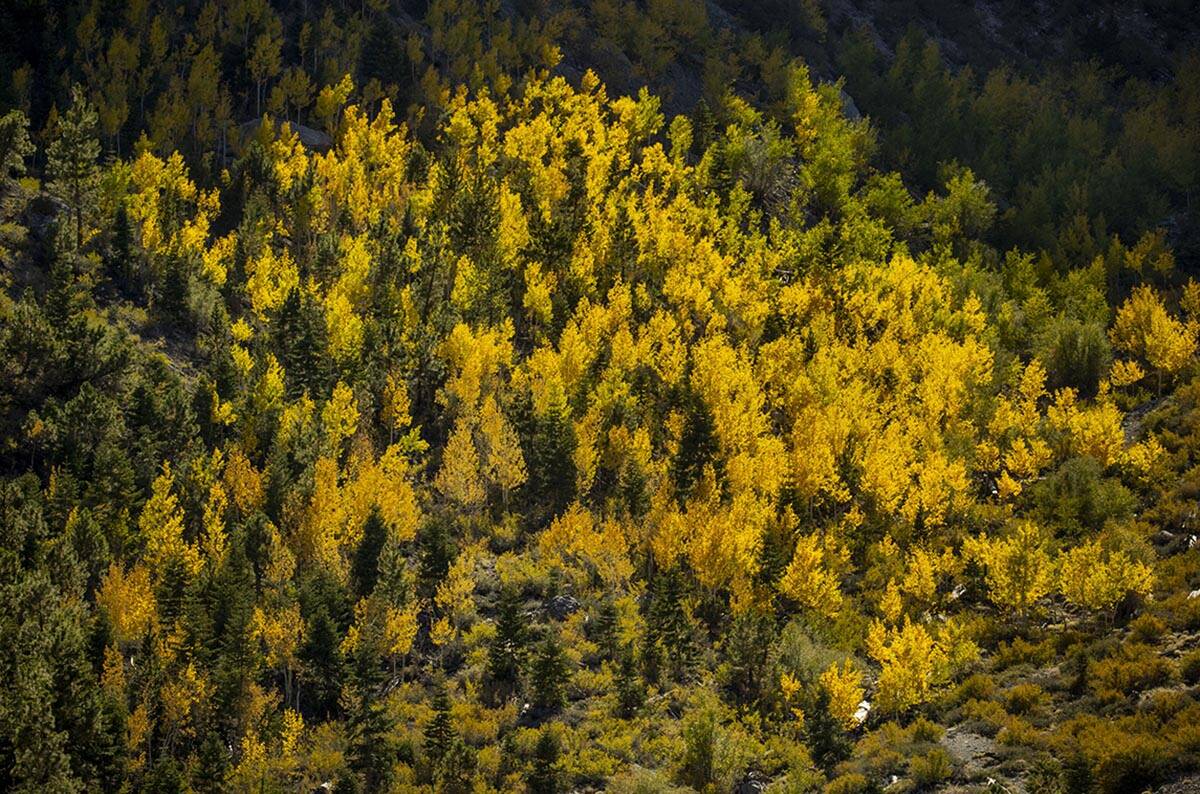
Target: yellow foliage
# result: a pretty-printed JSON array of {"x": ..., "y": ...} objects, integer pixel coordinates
[
  {"x": 243, "y": 482},
  {"x": 1143, "y": 328},
  {"x": 1088, "y": 430},
  {"x": 912, "y": 665},
  {"x": 269, "y": 279},
  {"x": 459, "y": 477},
  {"x": 339, "y": 417},
  {"x": 806, "y": 580},
  {"x": 1097, "y": 579},
  {"x": 503, "y": 462},
  {"x": 1018, "y": 569},
  {"x": 400, "y": 629},
  {"x": 844, "y": 685},
  {"x": 478, "y": 360},
  {"x": 280, "y": 631},
  {"x": 575, "y": 538},
  {"x": 128, "y": 600},
  {"x": 454, "y": 593},
  {"x": 161, "y": 527}
]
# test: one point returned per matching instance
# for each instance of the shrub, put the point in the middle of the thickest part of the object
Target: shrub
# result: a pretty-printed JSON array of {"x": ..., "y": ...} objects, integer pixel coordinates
[
  {"x": 1134, "y": 668},
  {"x": 1184, "y": 729},
  {"x": 977, "y": 687},
  {"x": 1022, "y": 651},
  {"x": 925, "y": 731},
  {"x": 931, "y": 768},
  {"x": 1189, "y": 668},
  {"x": 988, "y": 713},
  {"x": 1078, "y": 496},
  {"x": 1146, "y": 628},
  {"x": 1023, "y": 698},
  {"x": 1123, "y": 755},
  {"x": 1133, "y": 762},
  {"x": 1165, "y": 704},
  {"x": 643, "y": 781},
  {"x": 852, "y": 783},
  {"x": 1076, "y": 355},
  {"x": 1019, "y": 733}
]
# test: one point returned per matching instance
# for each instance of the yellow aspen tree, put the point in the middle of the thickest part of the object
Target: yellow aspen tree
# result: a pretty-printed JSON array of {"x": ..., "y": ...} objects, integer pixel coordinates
[
  {"x": 161, "y": 527},
  {"x": 268, "y": 392},
  {"x": 269, "y": 279},
  {"x": 1143, "y": 328},
  {"x": 180, "y": 696},
  {"x": 844, "y": 685},
  {"x": 454, "y": 593},
  {"x": 789, "y": 687},
  {"x": 911, "y": 665},
  {"x": 807, "y": 581},
  {"x": 396, "y": 406},
  {"x": 339, "y": 417},
  {"x": 319, "y": 540},
  {"x": 575, "y": 539},
  {"x": 1018, "y": 568},
  {"x": 1096, "y": 579},
  {"x": 243, "y": 482},
  {"x": 128, "y": 600},
  {"x": 459, "y": 477},
  {"x": 503, "y": 462},
  {"x": 920, "y": 580},
  {"x": 280, "y": 629},
  {"x": 400, "y": 631}
]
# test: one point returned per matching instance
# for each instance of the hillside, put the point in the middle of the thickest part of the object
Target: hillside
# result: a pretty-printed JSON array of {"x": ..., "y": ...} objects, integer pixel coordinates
[{"x": 633, "y": 397}]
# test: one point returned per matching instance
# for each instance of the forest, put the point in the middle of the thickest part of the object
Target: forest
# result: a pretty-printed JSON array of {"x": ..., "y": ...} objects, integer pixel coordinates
[{"x": 645, "y": 396}]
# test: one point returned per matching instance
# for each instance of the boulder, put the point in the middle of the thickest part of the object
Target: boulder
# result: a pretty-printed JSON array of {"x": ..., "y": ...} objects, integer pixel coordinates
[{"x": 561, "y": 606}]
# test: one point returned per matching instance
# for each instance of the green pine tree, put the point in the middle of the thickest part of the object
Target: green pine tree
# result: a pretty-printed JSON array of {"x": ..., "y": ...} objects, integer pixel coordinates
[
  {"x": 631, "y": 691},
  {"x": 364, "y": 570},
  {"x": 545, "y": 777},
  {"x": 371, "y": 754},
  {"x": 604, "y": 627},
  {"x": 439, "y": 731},
  {"x": 508, "y": 649},
  {"x": 71, "y": 159},
  {"x": 303, "y": 338},
  {"x": 551, "y": 464},
  {"x": 549, "y": 674}
]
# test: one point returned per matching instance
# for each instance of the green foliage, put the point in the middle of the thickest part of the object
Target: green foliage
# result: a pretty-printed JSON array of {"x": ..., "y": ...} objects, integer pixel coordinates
[
  {"x": 549, "y": 674},
  {"x": 439, "y": 731},
  {"x": 71, "y": 160},
  {"x": 509, "y": 647},
  {"x": 544, "y": 776}
]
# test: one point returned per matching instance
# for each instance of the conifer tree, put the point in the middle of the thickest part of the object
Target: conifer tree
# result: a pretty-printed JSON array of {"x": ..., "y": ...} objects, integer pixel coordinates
[
  {"x": 670, "y": 624},
  {"x": 545, "y": 777},
  {"x": 508, "y": 648},
  {"x": 15, "y": 149},
  {"x": 365, "y": 567},
  {"x": 549, "y": 674},
  {"x": 436, "y": 552},
  {"x": 71, "y": 159},
  {"x": 604, "y": 627},
  {"x": 631, "y": 690},
  {"x": 439, "y": 731},
  {"x": 456, "y": 769},
  {"x": 371, "y": 754},
  {"x": 304, "y": 340},
  {"x": 551, "y": 480},
  {"x": 824, "y": 734}
]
